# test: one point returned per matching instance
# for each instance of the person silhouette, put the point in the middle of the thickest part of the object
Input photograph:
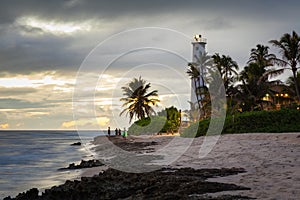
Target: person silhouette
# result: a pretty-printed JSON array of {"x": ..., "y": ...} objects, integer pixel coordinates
[
  {"x": 124, "y": 133},
  {"x": 108, "y": 131},
  {"x": 116, "y": 132}
]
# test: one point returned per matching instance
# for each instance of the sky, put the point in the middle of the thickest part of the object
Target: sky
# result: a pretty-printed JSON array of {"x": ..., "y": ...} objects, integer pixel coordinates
[{"x": 63, "y": 63}]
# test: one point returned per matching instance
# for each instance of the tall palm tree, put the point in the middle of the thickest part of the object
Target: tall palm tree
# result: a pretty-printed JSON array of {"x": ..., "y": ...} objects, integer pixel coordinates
[
  {"x": 255, "y": 77},
  {"x": 261, "y": 56},
  {"x": 227, "y": 68},
  {"x": 291, "y": 81},
  {"x": 197, "y": 72},
  {"x": 194, "y": 74},
  {"x": 138, "y": 101},
  {"x": 265, "y": 62},
  {"x": 289, "y": 47},
  {"x": 255, "y": 85}
]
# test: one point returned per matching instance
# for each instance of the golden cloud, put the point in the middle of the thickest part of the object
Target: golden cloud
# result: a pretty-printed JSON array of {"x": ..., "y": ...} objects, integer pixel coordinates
[
  {"x": 103, "y": 121},
  {"x": 68, "y": 124},
  {"x": 88, "y": 123},
  {"x": 4, "y": 126}
]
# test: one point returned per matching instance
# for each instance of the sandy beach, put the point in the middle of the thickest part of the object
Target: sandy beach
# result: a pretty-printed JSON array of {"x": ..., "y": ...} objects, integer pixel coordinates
[
  {"x": 272, "y": 161},
  {"x": 239, "y": 166}
]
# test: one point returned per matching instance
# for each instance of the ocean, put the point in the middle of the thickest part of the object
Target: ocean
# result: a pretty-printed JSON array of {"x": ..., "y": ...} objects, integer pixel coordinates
[{"x": 32, "y": 158}]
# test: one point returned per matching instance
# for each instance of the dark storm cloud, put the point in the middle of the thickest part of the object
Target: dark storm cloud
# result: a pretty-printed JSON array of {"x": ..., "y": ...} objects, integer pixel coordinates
[
  {"x": 81, "y": 9},
  {"x": 27, "y": 54},
  {"x": 40, "y": 51}
]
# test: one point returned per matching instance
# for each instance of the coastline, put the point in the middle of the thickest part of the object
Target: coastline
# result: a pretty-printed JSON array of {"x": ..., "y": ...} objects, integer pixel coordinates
[{"x": 271, "y": 162}]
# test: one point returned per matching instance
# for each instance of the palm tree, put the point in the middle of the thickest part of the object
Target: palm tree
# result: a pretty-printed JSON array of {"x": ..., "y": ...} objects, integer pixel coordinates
[
  {"x": 255, "y": 77},
  {"x": 137, "y": 101},
  {"x": 227, "y": 68},
  {"x": 194, "y": 74},
  {"x": 291, "y": 81},
  {"x": 261, "y": 56},
  {"x": 255, "y": 84},
  {"x": 196, "y": 71},
  {"x": 289, "y": 47},
  {"x": 265, "y": 62}
]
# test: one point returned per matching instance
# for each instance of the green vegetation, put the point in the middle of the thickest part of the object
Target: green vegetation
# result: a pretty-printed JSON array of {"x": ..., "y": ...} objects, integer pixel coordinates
[
  {"x": 289, "y": 46},
  {"x": 167, "y": 121},
  {"x": 292, "y": 84},
  {"x": 147, "y": 126},
  {"x": 285, "y": 120},
  {"x": 227, "y": 69}
]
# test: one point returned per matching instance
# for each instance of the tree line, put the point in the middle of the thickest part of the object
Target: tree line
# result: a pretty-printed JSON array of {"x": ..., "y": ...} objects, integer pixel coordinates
[{"x": 244, "y": 90}]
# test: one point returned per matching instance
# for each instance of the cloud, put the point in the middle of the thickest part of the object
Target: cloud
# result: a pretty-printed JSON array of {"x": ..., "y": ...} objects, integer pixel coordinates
[
  {"x": 103, "y": 121},
  {"x": 33, "y": 25},
  {"x": 6, "y": 92},
  {"x": 87, "y": 123},
  {"x": 43, "y": 44},
  {"x": 28, "y": 41},
  {"x": 68, "y": 124},
  {"x": 10, "y": 103},
  {"x": 4, "y": 126}
]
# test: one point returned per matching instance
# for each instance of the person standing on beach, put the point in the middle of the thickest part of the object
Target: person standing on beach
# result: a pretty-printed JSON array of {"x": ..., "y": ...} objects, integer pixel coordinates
[
  {"x": 116, "y": 132},
  {"x": 108, "y": 131},
  {"x": 124, "y": 133}
]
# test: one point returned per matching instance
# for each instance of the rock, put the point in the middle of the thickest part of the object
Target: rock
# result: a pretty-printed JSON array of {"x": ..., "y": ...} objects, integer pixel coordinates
[
  {"x": 160, "y": 184},
  {"x": 72, "y": 166},
  {"x": 31, "y": 194},
  {"x": 84, "y": 164},
  {"x": 154, "y": 143},
  {"x": 76, "y": 144}
]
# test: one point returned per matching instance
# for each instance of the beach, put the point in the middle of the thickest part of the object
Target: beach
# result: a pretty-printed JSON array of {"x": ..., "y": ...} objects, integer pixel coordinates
[
  {"x": 272, "y": 161},
  {"x": 254, "y": 165}
]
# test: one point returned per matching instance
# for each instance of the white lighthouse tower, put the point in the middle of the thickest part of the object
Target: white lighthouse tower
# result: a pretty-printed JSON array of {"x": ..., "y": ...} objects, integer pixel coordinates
[{"x": 198, "y": 51}]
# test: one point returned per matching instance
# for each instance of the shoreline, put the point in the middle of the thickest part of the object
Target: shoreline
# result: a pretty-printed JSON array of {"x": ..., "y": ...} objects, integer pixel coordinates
[{"x": 271, "y": 161}]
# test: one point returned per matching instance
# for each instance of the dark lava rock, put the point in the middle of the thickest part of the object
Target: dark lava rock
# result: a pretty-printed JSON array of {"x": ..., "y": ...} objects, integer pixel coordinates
[
  {"x": 76, "y": 144},
  {"x": 133, "y": 146},
  {"x": 167, "y": 183},
  {"x": 31, "y": 194},
  {"x": 84, "y": 164}
]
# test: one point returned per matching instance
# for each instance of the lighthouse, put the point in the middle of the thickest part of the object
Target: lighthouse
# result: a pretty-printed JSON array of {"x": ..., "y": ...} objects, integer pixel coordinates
[{"x": 198, "y": 83}]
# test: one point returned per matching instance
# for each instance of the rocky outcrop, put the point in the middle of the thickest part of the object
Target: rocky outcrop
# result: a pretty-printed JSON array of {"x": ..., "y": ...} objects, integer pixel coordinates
[
  {"x": 31, "y": 194},
  {"x": 185, "y": 183},
  {"x": 84, "y": 164},
  {"x": 76, "y": 144}
]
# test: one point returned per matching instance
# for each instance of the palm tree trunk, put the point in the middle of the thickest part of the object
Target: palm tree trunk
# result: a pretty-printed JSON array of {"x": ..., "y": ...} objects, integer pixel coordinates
[
  {"x": 201, "y": 100},
  {"x": 226, "y": 81},
  {"x": 197, "y": 98},
  {"x": 296, "y": 84}
]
